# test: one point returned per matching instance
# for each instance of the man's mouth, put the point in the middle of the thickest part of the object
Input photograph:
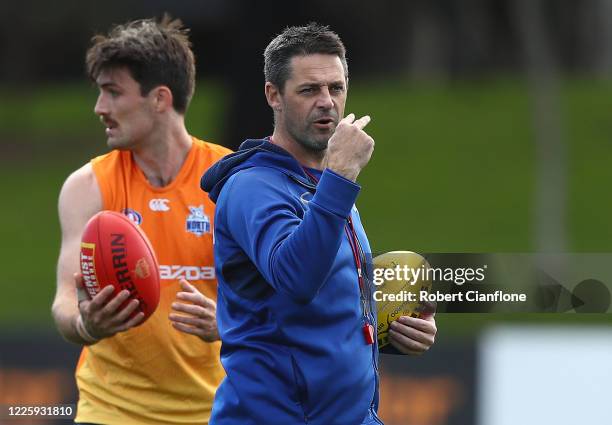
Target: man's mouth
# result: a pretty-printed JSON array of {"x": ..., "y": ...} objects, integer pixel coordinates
[
  {"x": 110, "y": 125},
  {"x": 324, "y": 122}
]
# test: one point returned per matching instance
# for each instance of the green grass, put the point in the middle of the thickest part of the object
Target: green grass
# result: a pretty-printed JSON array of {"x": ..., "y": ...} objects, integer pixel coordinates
[{"x": 453, "y": 171}]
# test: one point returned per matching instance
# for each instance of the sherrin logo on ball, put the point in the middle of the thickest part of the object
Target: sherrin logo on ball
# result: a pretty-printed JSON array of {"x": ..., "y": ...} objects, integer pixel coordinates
[
  {"x": 115, "y": 251},
  {"x": 399, "y": 277}
]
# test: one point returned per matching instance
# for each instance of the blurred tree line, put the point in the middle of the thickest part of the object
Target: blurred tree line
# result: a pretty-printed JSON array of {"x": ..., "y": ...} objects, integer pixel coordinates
[{"x": 421, "y": 39}]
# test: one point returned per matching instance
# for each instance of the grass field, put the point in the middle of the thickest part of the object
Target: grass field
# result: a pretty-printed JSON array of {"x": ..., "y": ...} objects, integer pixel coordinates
[{"x": 453, "y": 171}]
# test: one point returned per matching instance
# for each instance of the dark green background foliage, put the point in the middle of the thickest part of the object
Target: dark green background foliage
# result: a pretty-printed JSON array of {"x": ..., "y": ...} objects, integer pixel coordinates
[{"x": 453, "y": 170}]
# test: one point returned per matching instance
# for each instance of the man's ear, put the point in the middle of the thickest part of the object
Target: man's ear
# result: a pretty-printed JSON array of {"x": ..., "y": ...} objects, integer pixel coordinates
[
  {"x": 162, "y": 98},
  {"x": 273, "y": 96}
]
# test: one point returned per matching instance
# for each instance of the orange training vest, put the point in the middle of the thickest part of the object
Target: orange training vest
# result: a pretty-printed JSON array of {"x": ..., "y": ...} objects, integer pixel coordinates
[{"x": 154, "y": 373}]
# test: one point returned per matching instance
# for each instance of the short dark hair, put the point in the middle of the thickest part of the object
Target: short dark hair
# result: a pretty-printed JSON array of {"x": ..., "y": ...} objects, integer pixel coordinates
[
  {"x": 300, "y": 41},
  {"x": 156, "y": 53}
]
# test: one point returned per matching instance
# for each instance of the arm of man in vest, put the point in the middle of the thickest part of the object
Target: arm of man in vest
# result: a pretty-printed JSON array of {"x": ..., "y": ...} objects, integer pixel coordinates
[{"x": 79, "y": 319}]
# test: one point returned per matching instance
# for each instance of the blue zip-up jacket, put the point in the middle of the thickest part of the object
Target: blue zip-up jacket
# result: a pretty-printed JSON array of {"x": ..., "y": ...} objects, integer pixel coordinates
[{"x": 288, "y": 307}]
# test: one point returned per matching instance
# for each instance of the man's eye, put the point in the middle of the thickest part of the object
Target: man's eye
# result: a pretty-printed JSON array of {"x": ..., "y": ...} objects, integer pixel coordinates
[
  {"x": 307, "y": 90},
  {"x": 338, "y": 89}
]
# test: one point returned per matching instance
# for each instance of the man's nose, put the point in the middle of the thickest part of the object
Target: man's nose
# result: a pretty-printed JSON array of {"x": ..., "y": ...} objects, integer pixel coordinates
[
  {"x": 324, "y": 100},
  {"x": 101, "y": 107}
]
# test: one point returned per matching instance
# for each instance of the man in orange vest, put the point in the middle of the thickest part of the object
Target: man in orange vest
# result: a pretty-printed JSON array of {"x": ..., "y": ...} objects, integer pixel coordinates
[{"x": 154, "y": 372}]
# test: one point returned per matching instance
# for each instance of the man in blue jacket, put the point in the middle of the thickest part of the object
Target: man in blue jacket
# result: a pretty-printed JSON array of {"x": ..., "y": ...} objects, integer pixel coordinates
[{"x": 295, "y": 312}]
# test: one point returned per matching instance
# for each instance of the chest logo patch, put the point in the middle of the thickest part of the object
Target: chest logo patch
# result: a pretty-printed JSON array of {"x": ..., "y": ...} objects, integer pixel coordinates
[
  {"x": 198, "y": 222},
  {"x": 159, "y": 204},
  {"x": 133, "y": 215}
]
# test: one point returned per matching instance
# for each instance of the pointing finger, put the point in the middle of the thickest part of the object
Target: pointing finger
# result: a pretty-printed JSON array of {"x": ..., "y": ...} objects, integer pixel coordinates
[
  {"x": 362, "y": 122},
  {"x": 349, "y": 118}
]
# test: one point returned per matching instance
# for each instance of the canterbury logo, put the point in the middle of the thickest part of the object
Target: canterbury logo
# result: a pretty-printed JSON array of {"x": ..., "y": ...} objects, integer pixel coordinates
[{"x": 159, "y": 204}]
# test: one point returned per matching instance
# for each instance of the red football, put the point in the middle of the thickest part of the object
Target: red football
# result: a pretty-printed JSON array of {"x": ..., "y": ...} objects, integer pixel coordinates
[{"x": 114, "y": 251}]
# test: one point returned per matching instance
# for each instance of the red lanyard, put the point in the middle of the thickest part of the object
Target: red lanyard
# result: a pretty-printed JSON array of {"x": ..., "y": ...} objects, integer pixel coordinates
[{"x": 351, "y": 234}]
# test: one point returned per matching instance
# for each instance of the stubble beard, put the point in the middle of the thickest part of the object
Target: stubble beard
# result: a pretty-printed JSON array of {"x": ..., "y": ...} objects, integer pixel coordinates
[{"x": 311, "y": 142}]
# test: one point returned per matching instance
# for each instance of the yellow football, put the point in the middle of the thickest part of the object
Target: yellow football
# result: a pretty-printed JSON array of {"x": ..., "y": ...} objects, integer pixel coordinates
[{"x": 399, "y": 277}]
